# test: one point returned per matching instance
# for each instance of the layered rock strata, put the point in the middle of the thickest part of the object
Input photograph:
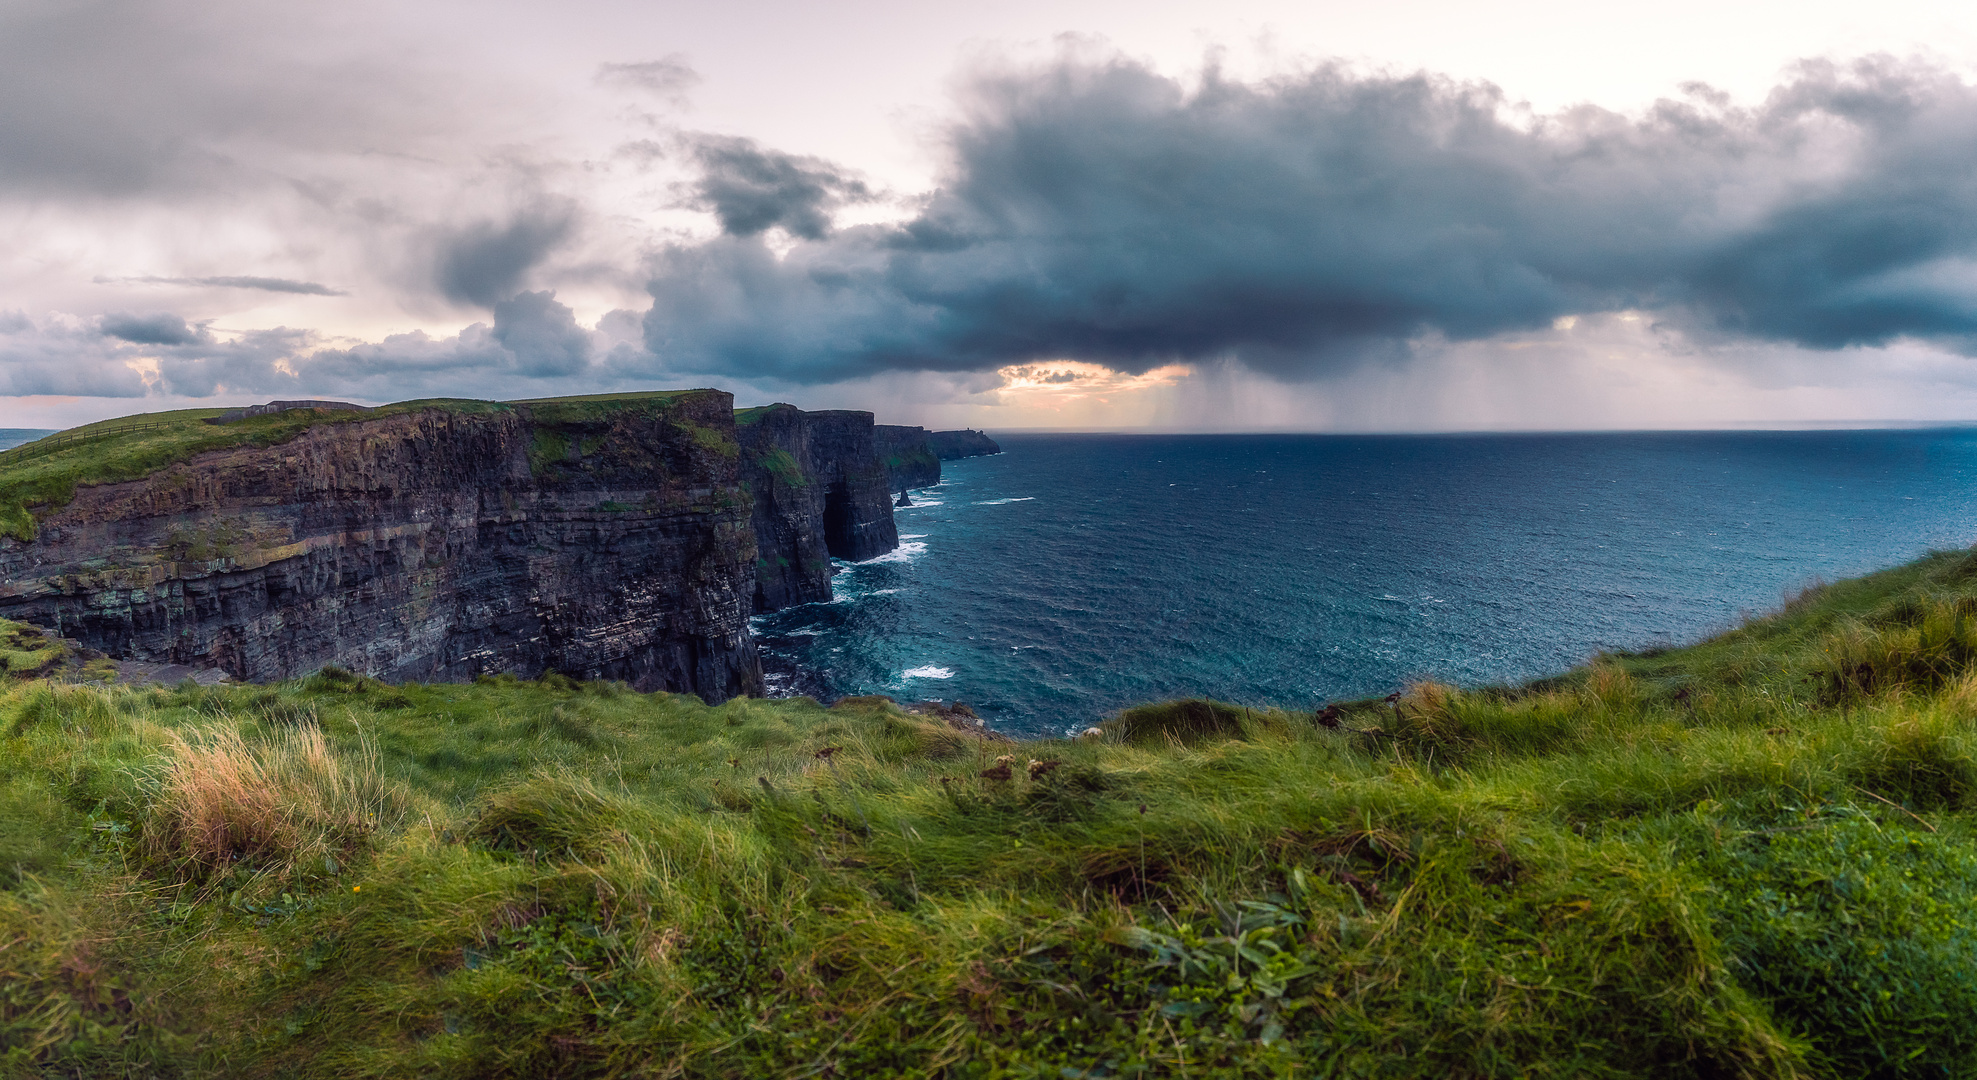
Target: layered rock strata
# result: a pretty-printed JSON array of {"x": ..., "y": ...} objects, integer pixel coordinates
[
  {"x": 820, "y": 492},
  {"x": 602, "y": 539}
]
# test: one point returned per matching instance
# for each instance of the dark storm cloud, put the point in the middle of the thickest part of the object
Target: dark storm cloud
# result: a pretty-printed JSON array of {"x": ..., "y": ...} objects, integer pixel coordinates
[
  {"x": 265, "y": 284},
  {"x": 752, "y": 190},
  {"x": 488, "y": 261},
  {"x": 163, "y": 329},
  {"x": 1102, "y": 212}
]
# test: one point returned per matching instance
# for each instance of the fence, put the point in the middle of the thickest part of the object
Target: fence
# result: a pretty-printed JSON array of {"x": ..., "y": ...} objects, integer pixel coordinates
[{"x": 62, "y": 440}]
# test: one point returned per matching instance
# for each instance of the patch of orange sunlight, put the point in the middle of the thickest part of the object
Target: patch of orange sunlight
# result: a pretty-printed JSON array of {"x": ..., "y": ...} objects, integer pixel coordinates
[{"x": 1057, "y": 384}]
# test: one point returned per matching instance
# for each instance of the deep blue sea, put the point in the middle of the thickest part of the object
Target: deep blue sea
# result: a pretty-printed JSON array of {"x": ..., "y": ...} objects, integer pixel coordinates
[
  {"x": 1073, "y": 575},
  {"x": 16, "y": 436}
]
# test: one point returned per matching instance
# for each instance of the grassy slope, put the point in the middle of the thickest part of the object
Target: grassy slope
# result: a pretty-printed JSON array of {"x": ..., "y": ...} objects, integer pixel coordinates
[
  {"x": 31, "y": 480},
  {"x": 132, "y": 447},
  {"x": 1754, "y": 856}
]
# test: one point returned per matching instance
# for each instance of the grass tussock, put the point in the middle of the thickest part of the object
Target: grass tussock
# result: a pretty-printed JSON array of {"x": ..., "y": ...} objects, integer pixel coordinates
[
  {"x": 1751, "y": 857},
  {"x": 278, "y": 804},
  {"x": 558, "y": 816},
  {"x": 1187, "y": 723}
]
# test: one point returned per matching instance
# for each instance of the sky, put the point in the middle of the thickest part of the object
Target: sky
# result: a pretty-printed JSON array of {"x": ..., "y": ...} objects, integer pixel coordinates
[{"x": 1082, "y": 214}]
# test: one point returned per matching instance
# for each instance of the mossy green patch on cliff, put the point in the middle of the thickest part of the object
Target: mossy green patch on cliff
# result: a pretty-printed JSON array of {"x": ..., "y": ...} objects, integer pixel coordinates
[
  {"x": 710, "y": 438},
  {"x": 783, "y": 466},
  {"x": 26, "y": 651},
  {"x": 918, "y": 459},
  {"x": 1754, "y": 856},
  {"x": 548, "y": 447}
]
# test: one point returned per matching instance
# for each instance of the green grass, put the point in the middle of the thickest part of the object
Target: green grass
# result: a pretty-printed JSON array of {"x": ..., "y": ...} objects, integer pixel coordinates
[{"x": 1755, "y": 856}]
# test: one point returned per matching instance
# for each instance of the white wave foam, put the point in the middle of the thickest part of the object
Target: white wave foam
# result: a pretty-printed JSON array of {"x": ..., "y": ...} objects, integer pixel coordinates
[
  {"x": 927, "y": 672},
  {"x": 912, "y": 536},
  {"x": 999, "y": 502},
  {"x": 902, "y": 553}
]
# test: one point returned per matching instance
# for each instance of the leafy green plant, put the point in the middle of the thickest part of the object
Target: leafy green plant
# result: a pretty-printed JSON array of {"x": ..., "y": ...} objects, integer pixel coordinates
[
  {"x": 1241, "y": 972},
  {"x": 1860, "y": 935},
  {"x": 783, "y": 466}
]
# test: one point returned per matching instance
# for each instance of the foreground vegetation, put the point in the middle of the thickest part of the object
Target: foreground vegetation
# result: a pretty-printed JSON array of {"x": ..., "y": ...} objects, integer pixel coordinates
[{"x": 1751, "y": 857}]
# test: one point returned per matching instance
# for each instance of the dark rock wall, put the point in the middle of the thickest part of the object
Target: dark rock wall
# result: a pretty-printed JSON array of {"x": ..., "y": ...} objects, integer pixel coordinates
[
  {"x": 953, "y": 445},
  {"x": 909, "y": 460},
  {"x": 599, "y": 540},
  {"x": 820, "y": 491}
]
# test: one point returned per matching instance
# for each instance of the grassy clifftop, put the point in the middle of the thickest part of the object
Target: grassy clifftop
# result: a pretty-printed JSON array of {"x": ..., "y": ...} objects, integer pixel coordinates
[
  {"x": 1753, "y": 857},
  {"x": 45, "y": 473}
]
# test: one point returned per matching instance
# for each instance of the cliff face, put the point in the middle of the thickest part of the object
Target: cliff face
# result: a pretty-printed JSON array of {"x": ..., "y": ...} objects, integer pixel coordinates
[
  {"x": 599, "y": 539},
  {"x": 820, "y": 491},
  {"x": 954, "y": 445},
  {"x": 909, "y": 460}
]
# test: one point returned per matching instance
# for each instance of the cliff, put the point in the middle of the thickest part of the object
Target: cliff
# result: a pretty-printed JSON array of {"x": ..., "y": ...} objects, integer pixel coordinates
[
  {"x": 954, "y": 445},
  {"x": 909, "y": 459},
  {"x": 604, "y": 538},
  {"x": 819, "y": 491}
]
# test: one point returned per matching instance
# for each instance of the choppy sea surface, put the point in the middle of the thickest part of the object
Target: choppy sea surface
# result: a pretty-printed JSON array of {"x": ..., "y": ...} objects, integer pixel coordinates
[
  {"x": 10, "y": 437},
  {"x": 1073, "y": 575}
]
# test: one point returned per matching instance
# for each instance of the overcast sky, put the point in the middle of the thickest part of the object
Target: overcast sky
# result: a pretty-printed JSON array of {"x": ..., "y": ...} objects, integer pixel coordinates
[{"x": 1077, "y": 214}]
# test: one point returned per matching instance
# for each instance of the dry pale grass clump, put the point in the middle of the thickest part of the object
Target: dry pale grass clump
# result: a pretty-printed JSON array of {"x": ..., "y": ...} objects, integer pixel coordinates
[{"x": 278, "y": 804}]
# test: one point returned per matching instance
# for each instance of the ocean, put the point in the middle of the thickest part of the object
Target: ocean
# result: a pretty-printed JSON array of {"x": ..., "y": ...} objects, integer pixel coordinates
[
  {"x": 1073, "y": 575},
  {"x": 10, "y": 437}
]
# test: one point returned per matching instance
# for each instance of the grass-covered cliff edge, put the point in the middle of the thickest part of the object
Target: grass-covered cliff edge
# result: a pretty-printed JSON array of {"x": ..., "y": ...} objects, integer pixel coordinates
[{"x": 1756, "y": 856}]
